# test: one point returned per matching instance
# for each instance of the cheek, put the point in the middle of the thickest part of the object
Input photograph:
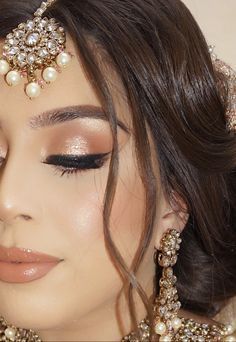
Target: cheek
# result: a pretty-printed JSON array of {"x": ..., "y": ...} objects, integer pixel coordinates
[{"x": 127, "y": 215}]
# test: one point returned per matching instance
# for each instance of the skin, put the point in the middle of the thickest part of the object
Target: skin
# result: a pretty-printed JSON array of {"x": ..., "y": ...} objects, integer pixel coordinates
[{"x": 62, "y": 216}]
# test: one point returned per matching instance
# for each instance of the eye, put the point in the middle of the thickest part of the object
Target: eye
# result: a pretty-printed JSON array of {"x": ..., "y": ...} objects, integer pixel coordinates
[{"x": 71, "y": 164}]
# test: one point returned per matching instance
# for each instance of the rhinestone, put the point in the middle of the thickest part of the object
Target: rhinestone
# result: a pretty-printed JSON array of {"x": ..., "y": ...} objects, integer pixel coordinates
[
  {"x": 13, "y": 41},
  {"x": 36, "y": 20},
  {"x": 51, "y": 27},
  {"x": 13, "y": 51},
  {"x": 21, "y": 59},
  {"x": 6, "y": 47},
  {"x": 21, "y": 26},
  {"x": 43, "y": 5},
  {"x": 39, "y": 12},
  {"x": 31, "y": 58},
  {"x": 42, "y": 23},
  {"x": 32, "y": 38},
  {"x": 43, "y": 53},
  {"x": 19, "y": 33},
  {"x": 9, "y": 36},
  {"x": 29, "y": 25},
  {"x": 52, "y": 46}
]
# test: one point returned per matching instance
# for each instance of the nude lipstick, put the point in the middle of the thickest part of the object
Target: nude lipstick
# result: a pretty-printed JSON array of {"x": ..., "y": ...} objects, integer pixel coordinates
[{"x": 21, "y": 265}]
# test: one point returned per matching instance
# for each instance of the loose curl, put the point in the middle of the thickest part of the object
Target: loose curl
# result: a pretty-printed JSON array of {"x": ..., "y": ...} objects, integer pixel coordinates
[{"x": 172, "y": 89}]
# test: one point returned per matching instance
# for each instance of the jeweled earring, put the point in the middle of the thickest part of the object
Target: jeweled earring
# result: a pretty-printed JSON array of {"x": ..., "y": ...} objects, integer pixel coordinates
[
  {"x": 166, "y": 304},
  {"x": 167, "y": 322}
]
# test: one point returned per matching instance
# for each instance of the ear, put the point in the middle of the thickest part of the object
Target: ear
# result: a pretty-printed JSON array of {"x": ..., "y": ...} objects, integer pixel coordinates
[{"x": 171, "y": 213}]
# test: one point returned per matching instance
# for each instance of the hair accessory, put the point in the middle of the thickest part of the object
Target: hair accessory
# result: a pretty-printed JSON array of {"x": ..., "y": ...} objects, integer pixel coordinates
[
  {"x": 230, "y": 75},
  {"x": 38, "y": 44}
]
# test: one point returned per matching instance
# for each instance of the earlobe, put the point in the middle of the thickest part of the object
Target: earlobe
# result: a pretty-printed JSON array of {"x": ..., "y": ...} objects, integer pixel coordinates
[{"x": 173, "y": 214}]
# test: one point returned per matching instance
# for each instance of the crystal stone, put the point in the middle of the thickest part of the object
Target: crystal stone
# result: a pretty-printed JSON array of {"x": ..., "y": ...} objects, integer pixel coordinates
[
  {"x": 30, "y": 25},
  {"x": 19, "y": 33},
  {"x": 43, "y": 53},
  {"x": 42, "y": 23},
  {"x": 31, "y": 58},
  {"x": 32, "y": 38},
  {"x": 13, "y": 51},
  {"x": 21, "y": 59}
]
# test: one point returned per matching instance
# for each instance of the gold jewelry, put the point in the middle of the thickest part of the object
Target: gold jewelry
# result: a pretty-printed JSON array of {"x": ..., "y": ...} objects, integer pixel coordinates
[
  {"x": 38, "y": 44},
  {"x": 168, "y": 326},
  {"x": 10, "y": 333},
  {"x": 230, "y": 75}
]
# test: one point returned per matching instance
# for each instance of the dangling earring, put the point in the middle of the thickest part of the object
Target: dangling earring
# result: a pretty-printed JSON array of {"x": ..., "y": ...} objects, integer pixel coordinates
[
  {"x": 166, "y": 305},
  {"x": 167, "y": 322}
]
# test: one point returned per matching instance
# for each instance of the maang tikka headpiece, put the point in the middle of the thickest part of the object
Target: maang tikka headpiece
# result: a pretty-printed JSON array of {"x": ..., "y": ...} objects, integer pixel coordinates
[{"x": 38, "y": 44}]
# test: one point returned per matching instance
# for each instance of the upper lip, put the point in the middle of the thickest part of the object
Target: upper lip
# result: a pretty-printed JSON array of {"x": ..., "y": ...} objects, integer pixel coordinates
[{"x": 15, "y": 254}]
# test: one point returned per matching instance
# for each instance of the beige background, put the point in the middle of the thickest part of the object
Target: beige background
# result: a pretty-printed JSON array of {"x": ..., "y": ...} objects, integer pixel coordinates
[{"x": 217, "y": 19}]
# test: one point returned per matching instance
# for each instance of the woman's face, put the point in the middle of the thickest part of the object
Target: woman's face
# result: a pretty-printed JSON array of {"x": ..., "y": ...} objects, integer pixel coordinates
[{"x": 45, "y": 209}]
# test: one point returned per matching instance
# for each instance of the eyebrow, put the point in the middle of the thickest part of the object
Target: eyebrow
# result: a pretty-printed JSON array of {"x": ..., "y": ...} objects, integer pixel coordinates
[{"x": 60, "y": 115}]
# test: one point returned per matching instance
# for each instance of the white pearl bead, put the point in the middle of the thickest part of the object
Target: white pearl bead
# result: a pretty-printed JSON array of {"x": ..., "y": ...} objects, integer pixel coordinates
[
  {"x": 176, "y": 323},
  {"x": 4, "y": 67},
  {"x": 63, "y": 59},
  {"x": 230, "y": 338},
  {"x": 165, "y": 338},
  {"x": 33, "y": 90},
  {"x": 160, "y": 328},
  {"x": 50, "y": 74},
  {"x": 200, "y": 339},
  {"x": 10, "y": 333},
  {"x": 229, "y": 329},
  {"x": 13, "y": 78}
]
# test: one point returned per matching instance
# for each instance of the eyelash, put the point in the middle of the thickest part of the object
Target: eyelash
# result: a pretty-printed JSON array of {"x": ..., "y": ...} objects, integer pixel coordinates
[{"x": 72, "y": 164}]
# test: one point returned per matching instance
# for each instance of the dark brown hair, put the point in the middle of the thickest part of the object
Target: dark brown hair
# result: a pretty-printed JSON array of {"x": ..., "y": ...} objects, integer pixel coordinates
[{"x": 162, "y": 59}]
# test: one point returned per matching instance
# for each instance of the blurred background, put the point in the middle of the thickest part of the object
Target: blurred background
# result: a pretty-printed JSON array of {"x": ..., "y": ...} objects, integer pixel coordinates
[{"x": 217, "y": 19}]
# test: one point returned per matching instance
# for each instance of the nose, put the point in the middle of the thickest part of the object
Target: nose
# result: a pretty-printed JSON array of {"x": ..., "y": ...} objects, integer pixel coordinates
[{"x": 16, "y": 191}]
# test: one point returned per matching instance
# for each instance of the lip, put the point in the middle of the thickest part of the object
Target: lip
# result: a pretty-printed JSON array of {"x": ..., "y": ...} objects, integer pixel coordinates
[{"x": 20, "y": 265}]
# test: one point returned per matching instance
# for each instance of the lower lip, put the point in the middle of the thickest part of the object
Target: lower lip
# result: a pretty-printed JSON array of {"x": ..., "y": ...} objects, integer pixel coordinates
[{"x": 24, "y": 272}]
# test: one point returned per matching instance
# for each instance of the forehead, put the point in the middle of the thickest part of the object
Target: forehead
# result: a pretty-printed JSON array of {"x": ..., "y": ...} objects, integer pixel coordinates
[{"x": 71, "y": 88}]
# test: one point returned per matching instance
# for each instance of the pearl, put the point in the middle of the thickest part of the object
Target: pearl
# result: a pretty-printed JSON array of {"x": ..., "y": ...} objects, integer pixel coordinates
[
  {"x": 63, "y": 59},
  {"x": 201, "y": 339},
  {"x": 13, "y": 78},
  {"x": 165, "y": 338},
  {"x": 50, "y": 74},
  {"x": 4, "y": 67},
  {"x": 230, "y": 338},
  {"x": 160, "y": 328},
  {"x": 229, "y": 329},
  {"x": 10, "y": 333},
  {"x": 176, "y": 323},
  {"x": 33, "y": 90}
]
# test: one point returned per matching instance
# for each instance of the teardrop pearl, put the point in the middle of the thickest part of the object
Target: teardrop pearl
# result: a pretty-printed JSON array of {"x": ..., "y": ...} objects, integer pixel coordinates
[
  {"x": 10, "y": 333},
  {"x": 50, "y": 74},
  {"x": 229, "y": 329},
  {"x": 160, "y": 328},
  {"x": 33, "y": 90},
  {"x": 13, "y": 78},
  {"x": 63, "y": 59},
  {"x": 4, "y": 67},
  {"x": 176, "y": 323}
]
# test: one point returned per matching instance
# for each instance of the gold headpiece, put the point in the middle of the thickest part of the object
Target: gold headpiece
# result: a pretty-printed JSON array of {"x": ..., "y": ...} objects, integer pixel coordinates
[
  {"x": 230, "y": 75},
  {"x": 38, "y": 44}
]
